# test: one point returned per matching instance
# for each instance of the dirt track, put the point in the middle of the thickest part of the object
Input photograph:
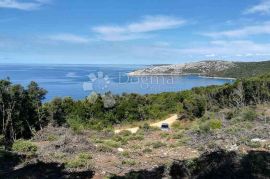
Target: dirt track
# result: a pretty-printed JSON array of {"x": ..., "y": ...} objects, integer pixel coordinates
[{"x": 169, "y": 121}]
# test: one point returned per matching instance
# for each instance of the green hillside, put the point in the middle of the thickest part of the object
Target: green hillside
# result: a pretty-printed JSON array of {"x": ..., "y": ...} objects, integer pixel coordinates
[{"x": 246, "y": 69}]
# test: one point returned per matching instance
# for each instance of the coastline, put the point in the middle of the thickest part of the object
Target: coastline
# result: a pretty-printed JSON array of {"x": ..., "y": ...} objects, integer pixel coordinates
[
  {"x": 180, "y": 74},
  {"x": 218, "y": 77},
  {"x": 163, "y": 74}
]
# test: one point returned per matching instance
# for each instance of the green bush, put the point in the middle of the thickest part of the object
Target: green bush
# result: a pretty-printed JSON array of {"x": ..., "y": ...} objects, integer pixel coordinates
[
  {"x": 129, "y": 162},
  {"x": 147, "y": 128},
  {"x": 253, "y": 144},
  {"x": 249, "y": 115},
  {"x": 126, "y": 154},
  {"x": 204, "y": 127},
  {"x": 136, "y": 137},
  {"x": 52, "y": 137},
  {"x": 125, "y": 133},
  {"x": 75, "y": 123},
  {"x": 215, "y": 124},
  {"x": 85, "y": 156},
  {"x": 147, "y": 150},
  {"x": 104, "y": 148},
  {"x": 24, "y": 146},
  {"x": 156, "y": 145},
  {"x": 121, "y": 139},
  {"x": 83, "y": 160},
  {"x": 112, "y": 143},
  {"x": 209, "y": 125}
]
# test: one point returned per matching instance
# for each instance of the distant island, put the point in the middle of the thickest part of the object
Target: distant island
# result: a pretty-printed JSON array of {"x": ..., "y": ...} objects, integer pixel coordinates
[{"x": 215, "y": 68}]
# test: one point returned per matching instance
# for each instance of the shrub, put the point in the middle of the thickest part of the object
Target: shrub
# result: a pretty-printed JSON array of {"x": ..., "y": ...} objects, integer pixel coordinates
[
  {"x": 164, "y": 135},
  {"x": 136, "y": 146},
  {"x": 52, "y": 137},
  {"x": 24, "y": 146},
  {"x": 145, "y": 127},
  {"x": 229, "y": 115},
  {"x": 182, "y": 141},
  {"x": 75, "y": 123},
  {"x": 178, "y": 135},
  {"x": 126, "y": 154},
  {"x": 125, "y": 133},
  {"x": 215, "y": 124},
  {"x": 204, "y": 127},
  {"x": 147, "y": 150},
  {"x": 120, "y": 139},
  {"x": 176, "y": 125},
  {"x": 249, "y": 115},
  {"x": 129, "y": 162},
  {"x": 112, "y": 143},
  {"x": 58, "y": 155},
  {"x": 232, "y": 129},
  {"x": 209, "y": 125},
  {"x": 104, "y": 148},
  {"x": 136, "y": 137},
  {"x": 253, "y": 144},
  {"x": 97, "y": 141},
  {"x": 85, "y": 156},
  {"x": 156, "y": 145},
  {"x": 246, "y": 125},
  {"x": 80, "y": 161}
]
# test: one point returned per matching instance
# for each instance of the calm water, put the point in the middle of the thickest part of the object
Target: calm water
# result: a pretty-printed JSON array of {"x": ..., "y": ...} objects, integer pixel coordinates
[{"x": 78, "y": 81}]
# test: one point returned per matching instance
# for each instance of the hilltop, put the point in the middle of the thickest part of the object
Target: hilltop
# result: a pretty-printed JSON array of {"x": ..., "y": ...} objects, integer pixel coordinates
[{"x": 216, "y": 68}]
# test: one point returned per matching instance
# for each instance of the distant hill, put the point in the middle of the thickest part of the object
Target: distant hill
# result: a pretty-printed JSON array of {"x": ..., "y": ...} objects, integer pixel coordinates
[{"x": 216, "y": 68}]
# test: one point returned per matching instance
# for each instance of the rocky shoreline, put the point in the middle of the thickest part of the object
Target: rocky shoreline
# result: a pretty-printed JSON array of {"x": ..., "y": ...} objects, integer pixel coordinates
[{"x": 202, "y": 68}]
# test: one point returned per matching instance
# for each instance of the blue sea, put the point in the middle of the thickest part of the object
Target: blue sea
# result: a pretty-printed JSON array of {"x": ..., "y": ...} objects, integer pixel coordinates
[{"x": 78, "y": 81}]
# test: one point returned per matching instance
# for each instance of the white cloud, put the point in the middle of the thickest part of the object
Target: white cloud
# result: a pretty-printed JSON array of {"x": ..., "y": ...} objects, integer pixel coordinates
[
  {"x": 227, "y": 50},
  {"x": 139, "y": 29},
  {"x": 263, "y": 8},
  {"x": 16, "y": 4},
  {"x": 69, "y": 38},
  {"x": 263, "y": 28},
  {"x": 232, "y": 48},
  {"x": 210, "y": 55}
]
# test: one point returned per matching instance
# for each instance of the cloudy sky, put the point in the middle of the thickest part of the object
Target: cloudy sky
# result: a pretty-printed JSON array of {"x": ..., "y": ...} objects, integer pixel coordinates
[{"x": 133, "y": 31}]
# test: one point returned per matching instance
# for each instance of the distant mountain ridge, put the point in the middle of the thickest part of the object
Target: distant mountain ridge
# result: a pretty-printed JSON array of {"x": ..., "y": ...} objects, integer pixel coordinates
[{"x": 215, "y": 68}]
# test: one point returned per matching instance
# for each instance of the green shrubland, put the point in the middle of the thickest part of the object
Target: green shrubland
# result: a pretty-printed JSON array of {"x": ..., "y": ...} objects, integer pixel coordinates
[{"x": 29, "y": 114}]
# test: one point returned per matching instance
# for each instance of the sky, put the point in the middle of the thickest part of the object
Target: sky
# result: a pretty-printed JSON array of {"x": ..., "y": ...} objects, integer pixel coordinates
[{"x": 133, "y": 31}]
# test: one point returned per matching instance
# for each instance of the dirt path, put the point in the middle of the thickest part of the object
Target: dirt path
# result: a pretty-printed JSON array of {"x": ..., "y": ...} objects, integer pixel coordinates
[{"x": 169, "y": 121}]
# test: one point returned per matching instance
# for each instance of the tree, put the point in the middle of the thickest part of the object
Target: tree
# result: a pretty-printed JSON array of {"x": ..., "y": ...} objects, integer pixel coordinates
[
  {"x": 19, "y": 110},
  {"x": 36, "y": 96},
  {"x": 11, "y": 102}
]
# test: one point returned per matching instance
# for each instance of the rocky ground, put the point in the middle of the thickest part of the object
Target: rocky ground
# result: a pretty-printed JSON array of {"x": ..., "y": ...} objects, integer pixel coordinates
[
  {"x": 99, "y": 154},
  {"x": 202, "y": 68}
]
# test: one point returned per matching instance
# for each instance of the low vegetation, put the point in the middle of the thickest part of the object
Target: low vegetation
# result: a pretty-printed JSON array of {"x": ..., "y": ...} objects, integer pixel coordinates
[
  {"x": 210, "y": 118},
  {"x": 24, "y": 146},
  {"x": 83, "y": 160}
]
